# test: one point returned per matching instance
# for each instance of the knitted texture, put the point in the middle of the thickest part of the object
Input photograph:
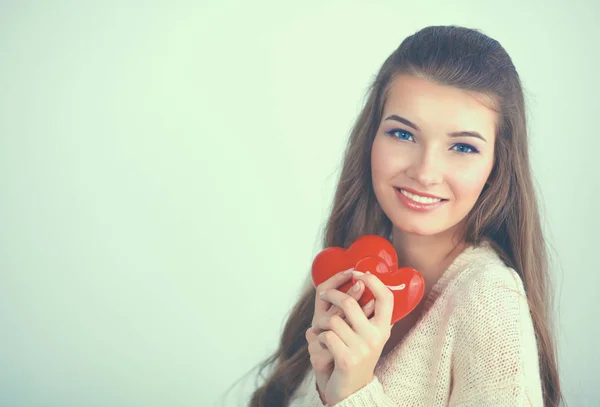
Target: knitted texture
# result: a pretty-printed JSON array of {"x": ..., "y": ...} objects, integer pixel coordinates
[{"x": 474, "y": 345}]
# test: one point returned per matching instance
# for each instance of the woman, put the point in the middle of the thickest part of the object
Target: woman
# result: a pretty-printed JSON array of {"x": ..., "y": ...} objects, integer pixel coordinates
[{"x": 438, "y": 163}]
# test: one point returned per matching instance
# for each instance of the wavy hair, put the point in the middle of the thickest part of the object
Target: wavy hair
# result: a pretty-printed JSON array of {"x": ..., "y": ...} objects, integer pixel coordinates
[{"x": 506, "y": 212}]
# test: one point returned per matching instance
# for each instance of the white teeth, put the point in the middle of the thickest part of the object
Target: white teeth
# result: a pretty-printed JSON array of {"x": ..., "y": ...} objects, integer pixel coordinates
[{"x": 419, "y": 199}]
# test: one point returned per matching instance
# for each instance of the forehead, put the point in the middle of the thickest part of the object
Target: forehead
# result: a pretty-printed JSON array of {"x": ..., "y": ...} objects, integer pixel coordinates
[{"x": 440, "y": 107}]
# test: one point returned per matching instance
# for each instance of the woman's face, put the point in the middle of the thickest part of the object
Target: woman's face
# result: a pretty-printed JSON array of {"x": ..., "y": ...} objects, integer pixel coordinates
[{"x": 432, "y": 154}]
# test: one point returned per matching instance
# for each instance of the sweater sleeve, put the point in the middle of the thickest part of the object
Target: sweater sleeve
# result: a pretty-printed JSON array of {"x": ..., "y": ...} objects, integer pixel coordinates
[
  {"x": 371, "y": 395},
  {"x": 307, "y": 394},
  {"x": 495, "y": 359}
]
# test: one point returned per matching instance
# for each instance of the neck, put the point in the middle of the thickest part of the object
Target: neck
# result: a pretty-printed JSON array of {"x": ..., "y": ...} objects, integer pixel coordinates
[{"x": 430, "y": 255}]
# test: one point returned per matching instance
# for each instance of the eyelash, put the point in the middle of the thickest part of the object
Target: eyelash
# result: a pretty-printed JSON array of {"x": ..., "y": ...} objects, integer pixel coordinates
[{"x": 470, "y": 147}]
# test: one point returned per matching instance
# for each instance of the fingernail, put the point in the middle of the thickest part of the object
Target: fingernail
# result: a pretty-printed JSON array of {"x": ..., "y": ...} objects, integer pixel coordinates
[
  {"x": 358, "y": 273},
  {"x": 370, "y": 303},
  {"x": 356, "y": 286},
  {"x": 322, "y": 293},
  {"x": 349, "y": 271}
]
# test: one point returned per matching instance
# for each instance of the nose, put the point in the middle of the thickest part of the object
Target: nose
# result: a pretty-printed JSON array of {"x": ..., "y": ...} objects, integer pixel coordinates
[{"x": 427, "y": 168}]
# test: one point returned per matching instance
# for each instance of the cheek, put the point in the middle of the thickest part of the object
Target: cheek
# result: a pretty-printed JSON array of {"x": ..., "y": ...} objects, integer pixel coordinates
[
  {"x": 379, "y": 160},
  {"x": 469, "y": 182},
  {"x": 386, "y": 160}
]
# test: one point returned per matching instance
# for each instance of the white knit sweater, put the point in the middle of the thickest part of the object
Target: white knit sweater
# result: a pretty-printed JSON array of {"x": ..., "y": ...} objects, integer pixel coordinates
[{"x": 473, "y": 346}]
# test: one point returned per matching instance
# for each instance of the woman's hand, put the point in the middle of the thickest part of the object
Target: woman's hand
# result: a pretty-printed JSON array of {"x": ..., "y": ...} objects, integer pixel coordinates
[
  {"x": 320, "y": 357},
  {"x": 357, "y": 342}
]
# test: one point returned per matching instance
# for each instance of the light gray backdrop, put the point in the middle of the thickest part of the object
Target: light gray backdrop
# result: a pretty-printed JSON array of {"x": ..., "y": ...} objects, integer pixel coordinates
[{"x": 166, "y": 169}]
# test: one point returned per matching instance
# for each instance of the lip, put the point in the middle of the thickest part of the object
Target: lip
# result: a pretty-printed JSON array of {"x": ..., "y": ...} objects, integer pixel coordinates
[
  {"x": 417, "y": 206},
  {"x": 412, "y": 191}
]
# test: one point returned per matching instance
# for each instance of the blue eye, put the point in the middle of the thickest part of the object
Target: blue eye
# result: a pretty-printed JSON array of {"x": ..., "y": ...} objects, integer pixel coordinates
[
  {"x": 465, "y": 149},
  {"x": 403, "y": 134}
]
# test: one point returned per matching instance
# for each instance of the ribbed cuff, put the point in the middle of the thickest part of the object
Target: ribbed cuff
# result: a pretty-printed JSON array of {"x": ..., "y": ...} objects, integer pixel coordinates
[
  {"x": 312, "y": 397},
  {"x": 370, "y": 395}
]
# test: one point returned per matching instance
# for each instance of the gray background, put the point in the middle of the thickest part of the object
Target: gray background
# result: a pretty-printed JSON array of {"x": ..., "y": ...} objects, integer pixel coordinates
[{"x": 166, "y": 169}]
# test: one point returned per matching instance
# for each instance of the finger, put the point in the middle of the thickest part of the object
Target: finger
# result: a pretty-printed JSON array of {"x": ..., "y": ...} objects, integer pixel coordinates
[
  {"x": 320, "y": 357},
  {"x": 335, "y": 345},
  {"x": 313, "y": 340},
  {"x": 369, "y": 308},
  {"x": 353, "y": 312},
  {"x": 346, "y": 333},
  {"x": 333, "y": 282},
  {"x": 356, "y": 291},
  {"x": 310, "y": 336},
  {"x": 384, "y": 300}
]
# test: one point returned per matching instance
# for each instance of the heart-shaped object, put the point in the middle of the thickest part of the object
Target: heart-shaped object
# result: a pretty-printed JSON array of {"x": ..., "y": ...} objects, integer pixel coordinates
[
  {"x": 332, "y": 260},
  {"x": 374, "y": 254},
  {"x": 406, "y": 283}
]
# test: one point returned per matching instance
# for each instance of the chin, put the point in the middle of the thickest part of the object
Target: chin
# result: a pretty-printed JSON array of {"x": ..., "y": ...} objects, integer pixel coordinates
[{"x": 421, "y": 230}]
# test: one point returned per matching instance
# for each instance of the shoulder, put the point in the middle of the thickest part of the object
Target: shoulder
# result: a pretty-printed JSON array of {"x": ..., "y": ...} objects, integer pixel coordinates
[
  {"x": 483, "y": 273},
  {"x": 495, "y": 344},
  {"x": 489, "y": 300},
  {"x": 486, "y": 290}
]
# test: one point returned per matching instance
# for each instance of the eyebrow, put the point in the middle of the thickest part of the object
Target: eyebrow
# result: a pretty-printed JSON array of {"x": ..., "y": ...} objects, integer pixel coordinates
[{"x": 453, "y": 134}]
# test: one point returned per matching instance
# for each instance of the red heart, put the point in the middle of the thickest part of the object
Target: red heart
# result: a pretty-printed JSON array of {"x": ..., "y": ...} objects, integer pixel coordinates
[
  {"x": 376, "y": 255},
  {"x": 407, "y": 285},
  {"x": 332, "y": 260}
]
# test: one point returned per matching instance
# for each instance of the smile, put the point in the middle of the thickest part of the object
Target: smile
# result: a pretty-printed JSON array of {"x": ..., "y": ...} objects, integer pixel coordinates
[
  {"x": 419, "y": 198},
  {"x": 419, "y": 203}
]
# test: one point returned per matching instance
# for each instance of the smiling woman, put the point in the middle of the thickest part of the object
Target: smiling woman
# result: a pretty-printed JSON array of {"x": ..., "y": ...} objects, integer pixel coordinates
[
  {"x": 437, "y": 163},
  {"x": 438, "y": 172}
]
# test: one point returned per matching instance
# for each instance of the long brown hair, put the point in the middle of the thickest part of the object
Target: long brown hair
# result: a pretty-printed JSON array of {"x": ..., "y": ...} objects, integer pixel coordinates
[{"x": 506, "y": 212}]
